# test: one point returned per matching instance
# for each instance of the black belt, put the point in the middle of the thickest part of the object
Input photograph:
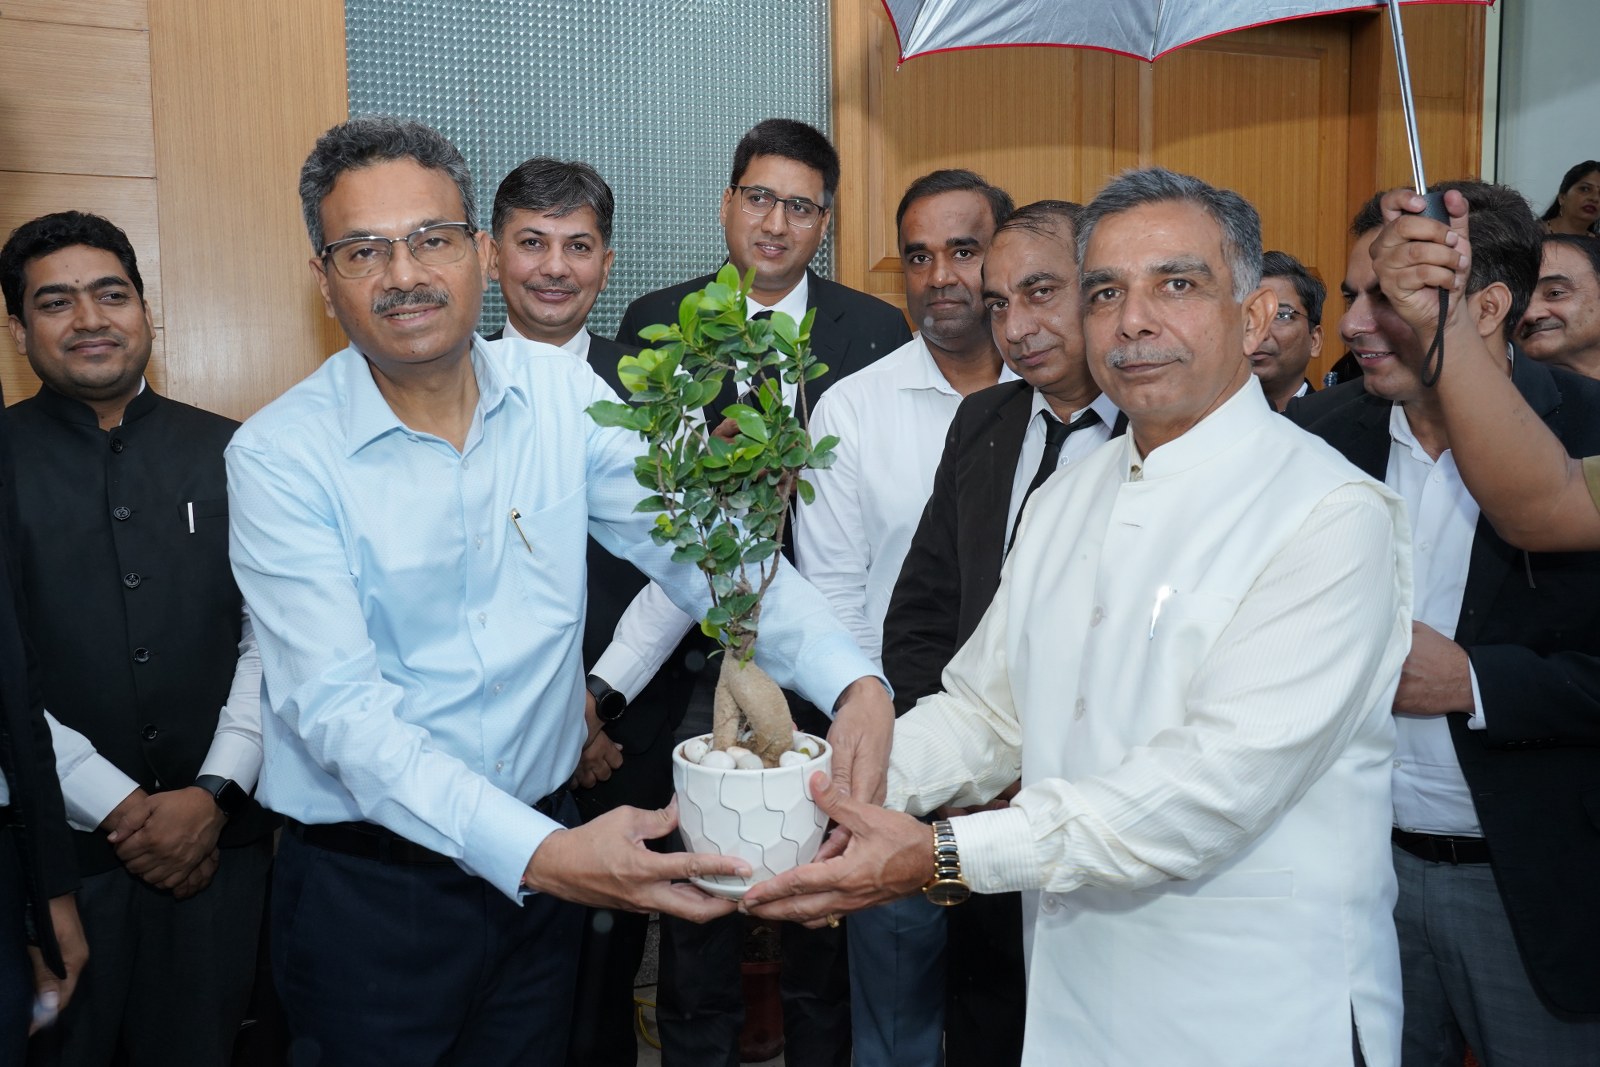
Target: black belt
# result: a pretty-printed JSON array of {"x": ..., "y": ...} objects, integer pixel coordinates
[
  {"x": 1442, "y": 848},
  {"x": 373, "y": 842}
]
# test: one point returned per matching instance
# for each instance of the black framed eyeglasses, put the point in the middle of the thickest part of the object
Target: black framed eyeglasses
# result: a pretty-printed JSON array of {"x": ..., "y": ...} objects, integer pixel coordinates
[
  {"x": 754, "y": 200},
  {"x": 1285, "y": 315},
  {"x": 432, "y": 246}
]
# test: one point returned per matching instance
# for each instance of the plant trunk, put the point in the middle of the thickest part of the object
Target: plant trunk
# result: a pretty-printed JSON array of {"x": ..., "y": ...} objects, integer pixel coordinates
[{"x": 745, "y": 692}]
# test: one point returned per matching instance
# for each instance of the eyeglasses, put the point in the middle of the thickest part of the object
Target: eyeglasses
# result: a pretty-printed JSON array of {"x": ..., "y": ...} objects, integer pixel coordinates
[
  {"x": 760, "y": 202},
  {"x": 1285, "y": 316},
  {"x": 431, "y": 246}
]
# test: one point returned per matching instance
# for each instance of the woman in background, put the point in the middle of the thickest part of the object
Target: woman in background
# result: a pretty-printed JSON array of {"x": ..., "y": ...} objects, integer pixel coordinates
[{"x": 1576, "y": 208}]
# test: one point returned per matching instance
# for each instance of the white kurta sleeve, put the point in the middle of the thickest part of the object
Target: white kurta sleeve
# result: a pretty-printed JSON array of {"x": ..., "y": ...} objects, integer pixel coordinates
[
  {"x": 1312, "y": 650},
  {"x": 831, "y": 546}
]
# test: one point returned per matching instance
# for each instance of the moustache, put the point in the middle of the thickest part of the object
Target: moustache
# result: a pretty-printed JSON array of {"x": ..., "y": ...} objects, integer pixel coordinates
[
  {"x": 1531, "y": 328},
  {"x": 421, "y": 297},
  {"x": 1126, "y": 354},
  {"x": 95, "y": 335}
]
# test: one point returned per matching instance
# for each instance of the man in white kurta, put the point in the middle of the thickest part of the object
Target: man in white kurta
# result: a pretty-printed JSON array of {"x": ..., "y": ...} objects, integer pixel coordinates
[{"x": 1190, "y": 661}]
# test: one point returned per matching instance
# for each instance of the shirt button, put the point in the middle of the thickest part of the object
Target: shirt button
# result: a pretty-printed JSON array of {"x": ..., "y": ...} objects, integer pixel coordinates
[
  {"x": 477, "y": 542},
  {"x": 466, "y": 464},
  {"x": 499, "y": 765},
  {"x": 1398, "y": 763},
  {"x": 122, "y": 514},
  {"x": 499, "y": 687},
  {"x": 1049, "y": 904},
  {"x": 131, "y": 580},
  {"x": 141, "y": 655},
  {"x": 1078, "y": 708},
  {"x": 149, "y": 732},
  {"x": 1098, "y": 616},
  {"x": 1426, "y": 545},
  {"x": 483, "y": 617},
  {"x": 116, "y": 444}
]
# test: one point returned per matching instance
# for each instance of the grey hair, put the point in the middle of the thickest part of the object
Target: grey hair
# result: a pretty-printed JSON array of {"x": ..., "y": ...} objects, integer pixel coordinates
[
  {"x": 370, "y": 139},
  {"x": 1239, "y": 222}
]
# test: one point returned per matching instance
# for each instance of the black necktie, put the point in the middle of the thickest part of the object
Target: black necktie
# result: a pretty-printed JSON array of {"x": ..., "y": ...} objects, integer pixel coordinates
[{"x": 1056, "y": 433}]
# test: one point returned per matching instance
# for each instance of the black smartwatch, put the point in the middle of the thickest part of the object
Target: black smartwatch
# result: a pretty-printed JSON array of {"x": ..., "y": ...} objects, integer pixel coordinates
[
  {"x": 608, "y": 703},
  {"x": 231, "y": 800}
]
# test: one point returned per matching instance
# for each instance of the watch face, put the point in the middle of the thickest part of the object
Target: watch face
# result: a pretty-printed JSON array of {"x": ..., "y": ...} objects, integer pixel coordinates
[
  {"x": 947, "y": 891},
  {"x": 610, "y": 707}
]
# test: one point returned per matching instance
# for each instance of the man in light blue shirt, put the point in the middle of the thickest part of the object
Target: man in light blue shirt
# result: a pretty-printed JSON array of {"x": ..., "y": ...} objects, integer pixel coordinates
[{"x": 409, "y": 525}]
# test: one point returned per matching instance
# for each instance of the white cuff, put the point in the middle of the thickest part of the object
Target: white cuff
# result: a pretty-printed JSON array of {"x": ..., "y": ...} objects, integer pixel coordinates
[
  {"x": 235, "y": 758},
  {"x": 997, "y": 851},
  {"x": 92, "y": 790},
  {"x": 1476, "y": 721}
]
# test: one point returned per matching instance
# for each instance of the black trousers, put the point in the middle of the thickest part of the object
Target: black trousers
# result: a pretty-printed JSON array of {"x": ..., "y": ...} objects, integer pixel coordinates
[
  {"x": 393, "y": 965},
  {"x": 986, "y": 989},
  {"x": 16, "y": 973}
]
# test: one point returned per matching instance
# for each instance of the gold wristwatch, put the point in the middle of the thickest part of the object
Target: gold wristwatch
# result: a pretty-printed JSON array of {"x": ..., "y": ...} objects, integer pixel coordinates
[{"x": 946, "y": 888}]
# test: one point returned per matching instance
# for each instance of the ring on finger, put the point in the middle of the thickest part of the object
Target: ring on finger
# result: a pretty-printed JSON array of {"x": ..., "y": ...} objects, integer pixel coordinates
[{"x": 832, "y": 921}]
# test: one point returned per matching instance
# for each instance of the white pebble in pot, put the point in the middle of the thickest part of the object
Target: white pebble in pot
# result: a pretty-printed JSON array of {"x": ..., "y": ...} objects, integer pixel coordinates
[
  {"x": 694, "y": 751},
  {"x": 793, "y": 759},
  {"x": 716, "y": 760}
]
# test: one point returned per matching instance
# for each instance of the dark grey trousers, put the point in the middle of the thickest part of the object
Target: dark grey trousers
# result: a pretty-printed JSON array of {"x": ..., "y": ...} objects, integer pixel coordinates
[{"x": 1463, "y": 978}]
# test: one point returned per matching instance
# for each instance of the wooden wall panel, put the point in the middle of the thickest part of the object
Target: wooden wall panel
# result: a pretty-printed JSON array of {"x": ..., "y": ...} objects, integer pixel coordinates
[
  {"x": 240, "y": 93},
  {"x": 1303, "y": 117},
  {"x": 1038, "y": 121},
  {"x": 128, "y": 202},
  {"x": 112, "y": 14},
  {"x": 74, "y": 125}
]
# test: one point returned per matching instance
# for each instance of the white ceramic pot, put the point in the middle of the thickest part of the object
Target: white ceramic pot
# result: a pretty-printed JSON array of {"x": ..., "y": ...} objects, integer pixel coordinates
[{"x": 767, "y": 817}]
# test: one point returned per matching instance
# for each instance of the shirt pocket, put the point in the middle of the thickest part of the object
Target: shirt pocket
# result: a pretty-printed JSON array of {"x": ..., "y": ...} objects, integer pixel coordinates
[{"x": 546, "y": 557}]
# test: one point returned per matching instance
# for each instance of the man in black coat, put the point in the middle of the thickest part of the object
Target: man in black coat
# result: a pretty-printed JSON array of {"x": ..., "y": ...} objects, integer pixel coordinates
[
  {"x": 148, "y": 662},
  {"x": 552, "y": 255},
  {"x": 1498, "y": 710},
  {"x": 774, "y": 213},
  {"x": 40, "y": 960},
  {"x": 996, "y": 447}
]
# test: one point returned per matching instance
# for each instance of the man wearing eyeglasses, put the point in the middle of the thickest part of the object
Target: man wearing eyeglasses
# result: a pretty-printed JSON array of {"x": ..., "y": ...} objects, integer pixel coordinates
[
  {"x": 774, "y": 212},
  {"x": 412, "y": 521},
  {"x": 1294, "y": 337}
]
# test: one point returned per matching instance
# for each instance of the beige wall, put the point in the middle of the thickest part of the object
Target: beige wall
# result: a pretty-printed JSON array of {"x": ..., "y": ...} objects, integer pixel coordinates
[{"x": 184, "y": 122}]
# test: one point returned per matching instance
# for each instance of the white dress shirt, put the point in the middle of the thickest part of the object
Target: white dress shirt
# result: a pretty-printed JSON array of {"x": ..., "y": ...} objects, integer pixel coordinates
[
  {"x": 577, "y": 344},
  {"x": 92, "y": 786},
  {"x": 1430, "y": 793},
  {"x": 891, "y": 419},
  {"x": 1081, "y": 443}
]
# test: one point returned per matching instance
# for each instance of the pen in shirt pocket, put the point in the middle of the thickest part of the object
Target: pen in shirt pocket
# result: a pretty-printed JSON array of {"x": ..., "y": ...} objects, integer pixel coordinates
[
  {"x": 189, "y": 507},
  {"x": 515, "y": 515}
]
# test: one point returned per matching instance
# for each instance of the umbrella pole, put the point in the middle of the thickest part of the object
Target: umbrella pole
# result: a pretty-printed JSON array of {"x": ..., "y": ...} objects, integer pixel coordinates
[
  {"x": 1433, "y": 360},
  {"x": 1407, "y": 103}
]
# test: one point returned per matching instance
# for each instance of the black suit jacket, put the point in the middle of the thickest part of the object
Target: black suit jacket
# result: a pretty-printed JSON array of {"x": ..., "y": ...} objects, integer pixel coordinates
[
  {"x": 654, "y": 714},
  {"x": 39, "y": 820},
  {"x": 952, "y": 569},
  {"x": 1530, "y": 623},
  {"x": 851, "y": 330}
]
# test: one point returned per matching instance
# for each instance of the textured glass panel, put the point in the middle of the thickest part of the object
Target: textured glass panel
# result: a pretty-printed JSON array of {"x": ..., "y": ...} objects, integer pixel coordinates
[{"x": 653, "y": 93}]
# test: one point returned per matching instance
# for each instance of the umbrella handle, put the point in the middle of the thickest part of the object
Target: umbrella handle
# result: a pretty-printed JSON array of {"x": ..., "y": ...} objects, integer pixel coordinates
[
  {"x": 1435, "y": 209},
  {"x": 1433, "y": 362}
]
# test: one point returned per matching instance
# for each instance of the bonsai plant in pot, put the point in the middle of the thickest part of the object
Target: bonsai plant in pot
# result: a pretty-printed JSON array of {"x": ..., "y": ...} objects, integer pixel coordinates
[{"x": 722, "y": 502}]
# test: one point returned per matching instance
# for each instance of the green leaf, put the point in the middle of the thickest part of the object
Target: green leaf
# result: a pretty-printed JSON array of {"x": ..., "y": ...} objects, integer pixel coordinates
[
  {"x": 815, "y": 371},
  {"x": 656, "y": 332},
  {"x": 718, "y": 615},
  {"x": 807, "y": 493},
  {"x": 761, "y": 550},
  {"x": 651, "y": 503},
  {"x": 610, "y": 413},
  {"x": 689, "y": 554},
  {"x": 752, "y": 426}
]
